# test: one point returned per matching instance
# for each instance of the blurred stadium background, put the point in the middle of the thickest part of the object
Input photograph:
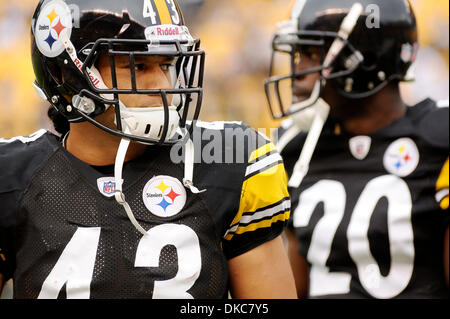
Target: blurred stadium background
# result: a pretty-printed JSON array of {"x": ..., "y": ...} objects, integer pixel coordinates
[{"x": 236, "y": 35}]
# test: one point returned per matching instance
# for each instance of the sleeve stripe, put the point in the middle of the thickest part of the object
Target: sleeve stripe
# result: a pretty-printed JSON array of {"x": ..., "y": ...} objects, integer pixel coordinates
[
  {"x": 441, "y": 194},
  {"x": 283, "y": 216},
  {"x": 259, "y": 193},
  {"x": 268, "y": 148},
  {"x": 263, "y": 156},
  {"x": 287, "y": 198},
  {"x": 256, "y": 217},
  {"x": 264, "y": 169},
  {"x": 248, "y": 218},
  {"x": 442, "y": 197},
  {"x": 265, "y": 163}
]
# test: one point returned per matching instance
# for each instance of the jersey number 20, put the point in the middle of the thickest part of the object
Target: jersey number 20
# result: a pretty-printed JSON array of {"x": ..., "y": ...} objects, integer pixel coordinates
[{"x": 333, "y": 195}]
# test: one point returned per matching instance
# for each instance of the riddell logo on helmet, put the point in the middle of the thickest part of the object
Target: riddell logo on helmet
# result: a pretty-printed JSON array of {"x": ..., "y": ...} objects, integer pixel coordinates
[
  {"x": 167, "y": 31},
  {"x": 94, "y": 79}
]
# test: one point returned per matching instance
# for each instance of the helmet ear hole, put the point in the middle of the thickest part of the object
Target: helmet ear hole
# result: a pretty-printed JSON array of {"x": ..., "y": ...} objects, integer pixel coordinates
[
  {"x": 370, "y": 61},
  {"x": 147, "y": 129}
]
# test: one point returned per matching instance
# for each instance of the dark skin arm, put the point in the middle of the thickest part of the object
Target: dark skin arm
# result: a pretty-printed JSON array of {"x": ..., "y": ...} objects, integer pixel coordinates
[{"x": 298, "y": 264}]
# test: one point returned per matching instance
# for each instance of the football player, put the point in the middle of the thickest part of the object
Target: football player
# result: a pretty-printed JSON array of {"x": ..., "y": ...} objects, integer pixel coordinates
[
  {"x": 368, "y": 175},
  {"x": 105, "y": 211}
]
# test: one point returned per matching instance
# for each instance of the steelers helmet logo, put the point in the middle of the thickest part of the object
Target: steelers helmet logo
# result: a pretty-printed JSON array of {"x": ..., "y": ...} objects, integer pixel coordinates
[
  {"x": 164, "y": 196},
  {"x": 54, "y": 20},
  {"x": 401, "y": 157}
]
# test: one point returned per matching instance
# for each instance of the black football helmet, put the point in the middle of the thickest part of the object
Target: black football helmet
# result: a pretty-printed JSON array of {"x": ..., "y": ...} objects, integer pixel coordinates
[
  {"x": 67, "y": 38},
  {"x": 358, "y": 57}
]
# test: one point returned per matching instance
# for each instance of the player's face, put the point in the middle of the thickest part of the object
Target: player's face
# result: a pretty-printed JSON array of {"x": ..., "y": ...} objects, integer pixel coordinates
[
  {"x": 152, "y": 73},
  {"x": 303, "y": 86}
]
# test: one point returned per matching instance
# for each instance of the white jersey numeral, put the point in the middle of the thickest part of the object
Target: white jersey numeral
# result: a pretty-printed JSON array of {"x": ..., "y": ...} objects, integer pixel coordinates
[
  {"x": 75, "y": 266},
  {"x": 333, "y": 195},
  {"x": 175, "y": 16},
  {"x": 401, "y": 237},
  {"x": 148, "y": 11},
  {"x": 187, "y": 244}
]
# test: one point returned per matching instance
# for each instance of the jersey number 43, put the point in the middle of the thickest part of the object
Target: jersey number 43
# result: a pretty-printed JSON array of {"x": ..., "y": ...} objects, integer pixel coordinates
[{"x": 75, "y": 266}]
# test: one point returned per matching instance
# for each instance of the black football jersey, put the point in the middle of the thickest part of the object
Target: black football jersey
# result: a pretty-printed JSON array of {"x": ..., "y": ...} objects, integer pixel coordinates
[
  {"x": 371, "y": 213},
  {"x": 63, "y": 235}
]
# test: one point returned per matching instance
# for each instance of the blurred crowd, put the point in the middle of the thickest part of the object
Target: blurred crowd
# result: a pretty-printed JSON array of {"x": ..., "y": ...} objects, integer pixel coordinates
[{"x": 236, "y": 34}]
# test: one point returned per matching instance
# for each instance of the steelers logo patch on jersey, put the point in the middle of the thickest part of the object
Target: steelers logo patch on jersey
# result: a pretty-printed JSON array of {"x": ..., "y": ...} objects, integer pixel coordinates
[
  {"x": 401, "y": 157},
  {"x": 54, "y": 20},
  {"x": 164, "y": 196}
]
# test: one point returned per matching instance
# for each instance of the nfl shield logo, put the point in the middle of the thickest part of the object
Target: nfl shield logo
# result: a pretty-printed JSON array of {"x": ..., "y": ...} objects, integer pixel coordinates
[
  {"x": 109, "y": 187},
  {"x": 106, "y": 186},
  {"x": 360, "y": 146}
]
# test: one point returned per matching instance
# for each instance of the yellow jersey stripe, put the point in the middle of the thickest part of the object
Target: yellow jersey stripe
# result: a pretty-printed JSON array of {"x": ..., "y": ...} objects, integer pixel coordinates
[
  {"x": 442, "y": 186},
  {"x": 264, "y": 164},
  {"x": 251, "y": 217},
  {"x": 163, "y": 10},
  {"x": 262, "y": 224},
  {"x": 444, "y": 203},
  {"x": 262, "y": 190},
  {"x": 442, "y": 181},
  {"x": 269, "y": 147},
  {"x": 256, "y": 217}
]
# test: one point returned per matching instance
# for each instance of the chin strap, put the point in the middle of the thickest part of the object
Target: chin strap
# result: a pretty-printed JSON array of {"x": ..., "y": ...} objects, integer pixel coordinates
[
  {"x": 302, "y": 166},
  {"x": 347, "y": 27},
  {"x": 119, "y": 195},
  {"x": 118, "y": 168},
  {"x": 189, "y": 166}
]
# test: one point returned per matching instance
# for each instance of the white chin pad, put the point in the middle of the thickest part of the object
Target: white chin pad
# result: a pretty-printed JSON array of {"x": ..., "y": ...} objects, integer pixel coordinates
[{"x": 148, "y": 122}]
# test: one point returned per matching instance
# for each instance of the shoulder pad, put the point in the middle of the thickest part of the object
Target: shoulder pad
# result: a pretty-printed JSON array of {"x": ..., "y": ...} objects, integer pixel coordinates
[
  {"x": 236, "y": 141},
  {"x": 20, "y": 157},
  {"x": 434, "y": 127}
]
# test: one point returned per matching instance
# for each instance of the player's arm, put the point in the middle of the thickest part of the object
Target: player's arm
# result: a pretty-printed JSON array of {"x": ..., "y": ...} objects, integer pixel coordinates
[
  {"x": 262, "y": 273},
  {"x": 298, "y": 264},
  {"x": 442, "y": 197},
  {"x": 258, "y": 262}
]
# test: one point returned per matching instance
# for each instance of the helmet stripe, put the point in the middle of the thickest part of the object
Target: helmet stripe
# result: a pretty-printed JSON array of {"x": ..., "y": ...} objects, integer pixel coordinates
[
  {"x": 163, "y": 11},
  {"x": 298, "y": 8}
]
